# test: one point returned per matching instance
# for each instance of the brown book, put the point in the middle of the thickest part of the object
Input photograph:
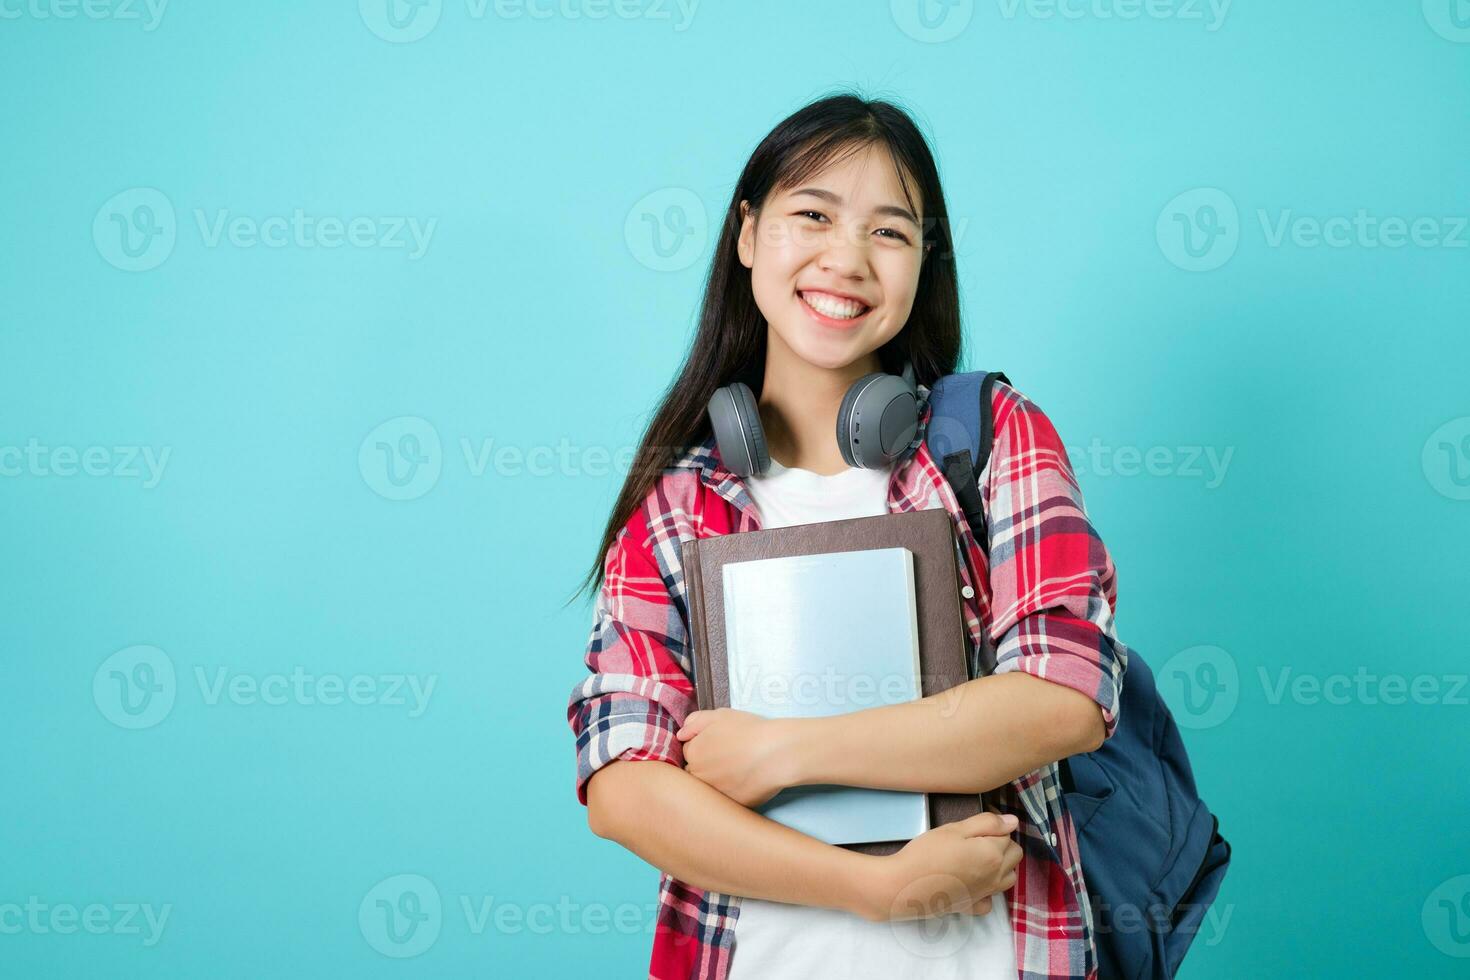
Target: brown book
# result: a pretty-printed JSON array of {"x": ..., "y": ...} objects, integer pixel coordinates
[{"x": 943, "y": 646}]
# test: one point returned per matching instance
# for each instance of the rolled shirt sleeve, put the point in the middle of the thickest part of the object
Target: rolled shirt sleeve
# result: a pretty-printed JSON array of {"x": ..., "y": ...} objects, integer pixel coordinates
[
  {"x": 1053, "y": 584},
  {"x": 637, "y": 694}
]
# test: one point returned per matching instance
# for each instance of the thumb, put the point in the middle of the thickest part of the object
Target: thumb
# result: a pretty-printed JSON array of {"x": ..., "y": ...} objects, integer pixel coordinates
[
  {"x": 988, "y": 824},
  {"x": 692, "y": 724}
]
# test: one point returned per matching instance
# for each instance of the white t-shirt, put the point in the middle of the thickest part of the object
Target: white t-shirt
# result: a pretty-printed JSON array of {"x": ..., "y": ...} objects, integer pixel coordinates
[{"x": 782, "y": 941}]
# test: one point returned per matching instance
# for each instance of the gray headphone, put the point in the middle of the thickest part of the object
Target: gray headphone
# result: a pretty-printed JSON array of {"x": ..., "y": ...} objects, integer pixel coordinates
[{"x": 876, "y": 423}]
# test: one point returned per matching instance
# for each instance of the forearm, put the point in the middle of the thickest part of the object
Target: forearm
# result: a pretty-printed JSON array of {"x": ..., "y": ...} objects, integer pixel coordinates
[
  {"x": 970, "y": 739},
  {"x": 683, "y": 826}
]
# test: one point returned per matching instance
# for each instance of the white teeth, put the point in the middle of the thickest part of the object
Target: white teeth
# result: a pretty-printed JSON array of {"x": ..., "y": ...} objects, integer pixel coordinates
[{"x": 840, "y": 309}]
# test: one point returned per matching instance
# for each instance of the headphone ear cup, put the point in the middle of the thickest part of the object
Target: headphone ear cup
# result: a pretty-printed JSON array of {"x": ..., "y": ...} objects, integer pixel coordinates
[
  {"x": 848, "y": 440},
  {"x": 736, "y": 421},
  {"x": 759, "y": 454},
  {"x": 877, "y": 420}
]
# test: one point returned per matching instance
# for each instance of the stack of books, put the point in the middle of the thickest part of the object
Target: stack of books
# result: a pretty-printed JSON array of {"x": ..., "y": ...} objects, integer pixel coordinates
[{"x": 821, "y": 619}]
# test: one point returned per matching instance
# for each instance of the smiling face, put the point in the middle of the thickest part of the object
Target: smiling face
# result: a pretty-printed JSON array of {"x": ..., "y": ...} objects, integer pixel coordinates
[{"x": 835, "y": 261}]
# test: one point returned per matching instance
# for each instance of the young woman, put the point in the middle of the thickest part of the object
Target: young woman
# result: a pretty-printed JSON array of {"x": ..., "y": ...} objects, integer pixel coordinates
[{"x": 835, "y": 262}]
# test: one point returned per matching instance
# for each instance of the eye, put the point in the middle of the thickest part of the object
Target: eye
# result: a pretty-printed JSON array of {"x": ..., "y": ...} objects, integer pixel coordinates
[
  {"x": 898, "y": 235},
  {"x": 817, "y": 213}
]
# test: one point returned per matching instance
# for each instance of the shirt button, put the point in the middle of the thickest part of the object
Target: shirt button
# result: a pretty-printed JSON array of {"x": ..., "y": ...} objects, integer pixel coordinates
[
  {"x": 1053, "y": 838},
  {"x": 967, "y": 592}
]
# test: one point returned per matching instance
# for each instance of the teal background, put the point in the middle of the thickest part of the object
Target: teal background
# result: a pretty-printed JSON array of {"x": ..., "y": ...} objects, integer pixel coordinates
[{"x": 544, "y": 313}]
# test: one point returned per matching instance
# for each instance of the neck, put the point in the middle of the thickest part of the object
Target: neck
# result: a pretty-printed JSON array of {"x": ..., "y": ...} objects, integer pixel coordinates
[{"x": 798, "y": 405}]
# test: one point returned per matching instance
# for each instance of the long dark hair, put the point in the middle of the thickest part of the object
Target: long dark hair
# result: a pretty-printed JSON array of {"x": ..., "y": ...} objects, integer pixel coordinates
[{"x": 730, "y": 343}]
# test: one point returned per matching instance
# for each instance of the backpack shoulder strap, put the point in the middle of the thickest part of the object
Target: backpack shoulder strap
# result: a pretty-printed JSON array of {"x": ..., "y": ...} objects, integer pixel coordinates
[{"x": 960, "y": 435}]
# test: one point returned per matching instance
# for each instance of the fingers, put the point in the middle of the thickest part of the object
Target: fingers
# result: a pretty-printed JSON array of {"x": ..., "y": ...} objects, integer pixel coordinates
[
  {"x": 981, "y": 907},
  {"x": 1010, "y": 858},
  {"x": 987, "y": 824}
]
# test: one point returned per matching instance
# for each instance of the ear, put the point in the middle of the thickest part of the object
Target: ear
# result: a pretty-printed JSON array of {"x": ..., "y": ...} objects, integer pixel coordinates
[{"x": 745, "y": 244}]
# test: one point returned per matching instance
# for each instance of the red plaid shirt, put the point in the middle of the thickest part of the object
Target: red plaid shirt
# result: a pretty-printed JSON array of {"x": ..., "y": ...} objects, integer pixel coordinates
[{"x": 1046, "y": 596}]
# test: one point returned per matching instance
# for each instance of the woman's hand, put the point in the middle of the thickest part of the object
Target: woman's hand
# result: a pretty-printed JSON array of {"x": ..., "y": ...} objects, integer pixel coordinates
[
  {"x": 956, "y": 867},
  {"x": 743, "y": 755}
]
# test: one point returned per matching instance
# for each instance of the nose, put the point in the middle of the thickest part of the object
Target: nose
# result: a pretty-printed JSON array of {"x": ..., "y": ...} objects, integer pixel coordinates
[{"x": 844, "y": 258}]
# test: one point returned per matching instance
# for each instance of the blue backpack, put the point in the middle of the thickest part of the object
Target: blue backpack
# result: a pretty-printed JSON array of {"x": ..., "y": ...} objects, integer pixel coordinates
[{"x": 1152, "y": 855}]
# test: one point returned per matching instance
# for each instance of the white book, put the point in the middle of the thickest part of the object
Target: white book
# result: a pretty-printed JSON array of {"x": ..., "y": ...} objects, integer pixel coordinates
[{"x": 819, "y": 635}]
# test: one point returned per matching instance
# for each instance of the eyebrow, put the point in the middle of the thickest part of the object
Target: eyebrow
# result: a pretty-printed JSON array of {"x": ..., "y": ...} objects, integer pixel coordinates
[{"x": 826, "y": 195}]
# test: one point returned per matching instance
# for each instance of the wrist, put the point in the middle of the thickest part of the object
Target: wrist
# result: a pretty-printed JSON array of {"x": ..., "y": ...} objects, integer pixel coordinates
[
  {"x": 870, "y": 897},
  {"x": 797, "y": 738},
  {"x": 807, "y": 739}
]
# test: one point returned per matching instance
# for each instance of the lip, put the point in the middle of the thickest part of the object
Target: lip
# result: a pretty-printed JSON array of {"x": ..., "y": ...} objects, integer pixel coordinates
[
  {"x": 826, "y": 320},
  {"x": 833, "y": 292}
]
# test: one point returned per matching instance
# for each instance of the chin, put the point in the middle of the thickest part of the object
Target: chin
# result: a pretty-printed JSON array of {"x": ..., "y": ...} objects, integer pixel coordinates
[{"x": 826, "y": 351}]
